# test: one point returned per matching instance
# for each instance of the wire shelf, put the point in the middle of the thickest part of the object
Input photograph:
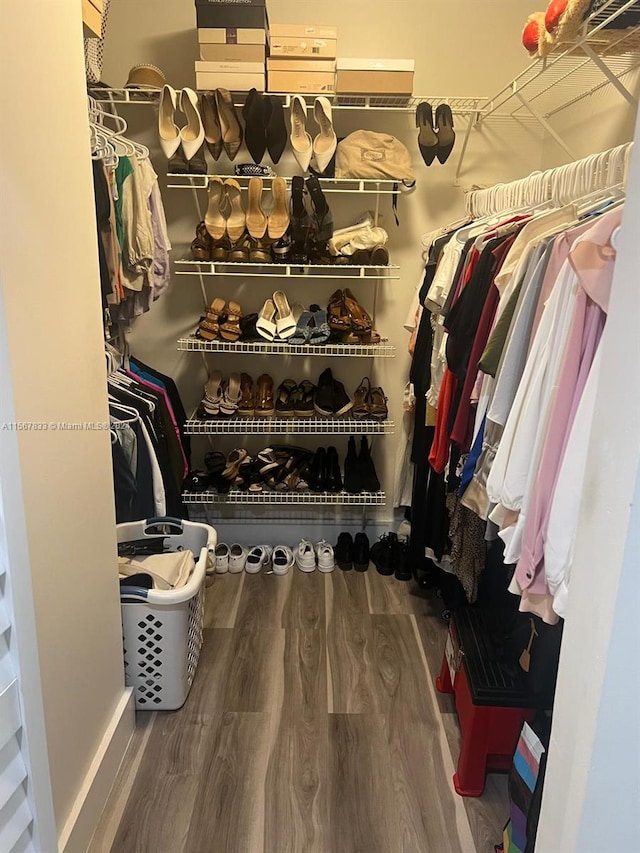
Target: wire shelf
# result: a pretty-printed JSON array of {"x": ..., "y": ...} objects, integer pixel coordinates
[
  {"x": 344, "y": 272},
  {"x": 289, "y": 426},
  {"x": 381, "y": 350},
  {"x": 465, "y": 105},
  {"x": 553, "y": 83},
  {"x": 286, "y": 498},
  {"x": 329, "y": 185}
]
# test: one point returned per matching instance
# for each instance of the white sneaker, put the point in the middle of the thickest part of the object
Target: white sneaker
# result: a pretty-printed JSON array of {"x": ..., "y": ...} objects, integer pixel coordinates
[
  {"x": 305, "y": 556},
  {"x": 282, "y": 559},
  {"x": 326, "y": 560},
  {"x": 222, "y": 559},
  {"x": 258, "y": 558},
  {"x": 237, "y": 558}
]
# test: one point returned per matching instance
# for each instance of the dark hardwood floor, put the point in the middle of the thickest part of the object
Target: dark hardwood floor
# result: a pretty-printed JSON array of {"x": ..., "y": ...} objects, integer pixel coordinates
[{"x": 312, "y": 726}]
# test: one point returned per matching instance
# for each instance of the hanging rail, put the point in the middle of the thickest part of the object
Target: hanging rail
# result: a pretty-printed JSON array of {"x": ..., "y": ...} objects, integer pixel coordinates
[{"x": 557, "y": 186}]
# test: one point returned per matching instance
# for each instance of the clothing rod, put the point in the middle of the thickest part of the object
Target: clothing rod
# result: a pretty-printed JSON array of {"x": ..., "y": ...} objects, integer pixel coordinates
[{"x": 557, "y": 186}]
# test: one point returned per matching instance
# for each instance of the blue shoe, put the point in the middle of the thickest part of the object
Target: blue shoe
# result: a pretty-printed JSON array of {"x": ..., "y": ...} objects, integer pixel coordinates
[{"x": 320, "y": 332}]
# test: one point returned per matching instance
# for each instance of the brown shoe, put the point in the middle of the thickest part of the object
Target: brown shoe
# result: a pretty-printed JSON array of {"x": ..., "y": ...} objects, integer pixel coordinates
[
  {"x": 230, "y": 126},
  {"x": 211, "y": 124},
  {"x": 247, "y": 405},
  {"x": 265, "y": 406},
  {"x": 256, "y": 218},
  {"x": 202, "y": 244},
  {"x": 339, "y": 316},
  {"x": 378, "y": 404},
  {"x": 380, "y": 256},
  {"x": 230, "y": 329},
  {"x": 361, "y": 322},
  {"x": 209, "y": 327},
  {"x": 361, "y": 396}
]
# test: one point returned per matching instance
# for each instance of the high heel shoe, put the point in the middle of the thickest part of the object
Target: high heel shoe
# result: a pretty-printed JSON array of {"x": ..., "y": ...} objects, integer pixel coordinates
[
  {"x": 253, "y": 113},
  {"x": 209, "y": 327},
  {"x": 256, "y": 218},
  {"x": 446, "y": 133},
  {"x": 213, "y": 394},
  {"x": 230, "y": 126},
  {"x": 214, "y": 221},
  {"x": 247, "y": 405},
  {"x": 230, "y": 329},
  {"x": 300, "y": 221},
  {"x": 202, "y": 244},
  {"x": 265, "y": 326},
  {"x": 192, "y": 134},
  {"x": 427, "y": 136},
  {"x": 285, "y": 323},
  {"x": 333, "y": 475},
  {"x": 276, "y": 129},
  {"x": 322, "y": 216},
  {"x": 236, "y": 220},
  {"x": 325, "y": 143},
  {"x": 231, "y": 395},
  {"x": 279, "y": 216},
  {"x": 361, "y": 322},
  {"x": 211, "y": 122},
  {"x": 300, "y": 139},
  {"x": 168, "y": 130}
]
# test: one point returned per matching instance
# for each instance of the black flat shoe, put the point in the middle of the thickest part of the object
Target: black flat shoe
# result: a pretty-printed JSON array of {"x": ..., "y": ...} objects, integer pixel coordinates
[
  {"x": 446, "y": 133},
  {"x": 276, "y": 128},
  {"x": 427, "y": 136},
  {"x": 255, "y": 136}
]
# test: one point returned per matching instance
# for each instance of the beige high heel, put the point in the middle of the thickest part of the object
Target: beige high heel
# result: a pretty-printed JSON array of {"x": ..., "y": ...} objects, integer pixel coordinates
[
  {"x": 214, "y": 221},
  {"x": 256, "y": 218},
  {"x": 279, "y": 216},
  {"x": 230, "y": 127},
  {"x": 236, "y": 220}
]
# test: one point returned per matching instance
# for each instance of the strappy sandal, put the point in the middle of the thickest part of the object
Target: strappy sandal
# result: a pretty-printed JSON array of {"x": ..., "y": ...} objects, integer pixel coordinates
[
  {"x": 378, "y": 404},
  {"x": 202, "y": 244},
  {"x": 320, "y": 331},
  {"x": 371, "y": 337},
  {"x": 303, "y": 400},
  {"x": 361, "y": 408},
  {"x": 259, "y": 251},
  {"x": 267, "y": 460},
  {"x": 302, "y": 332},
  {"x": 265, "y": 406},
  {"x": 234, "y": 460},
  {"x": 279, "y": 216},
  {"x": 256, "y": 218},
  {"x": 231, "y": 396},
  {"x": 249, "y": 479},
  {"x": 246, "y": 406},
  {"x": 214, "y": 221},
  {"x": 209, "y": 327},
  {"x": 230, "y": 329},
  {"x": 285, "y": 399},
  {"x": 339, "y": 315},
  {"x": 236, "y": 220},
  {"x": 212, "y": 394},
  {"x": 239, "y": 251},
  {"x": 361, "y": 322}
]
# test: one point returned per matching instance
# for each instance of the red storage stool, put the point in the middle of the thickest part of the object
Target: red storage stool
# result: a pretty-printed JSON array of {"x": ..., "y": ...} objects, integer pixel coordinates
[{"x": 491, "y": 702}]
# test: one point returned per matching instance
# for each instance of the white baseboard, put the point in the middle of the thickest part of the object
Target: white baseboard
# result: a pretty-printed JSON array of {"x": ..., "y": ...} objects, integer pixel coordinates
[{"x": 92, "y": 797}]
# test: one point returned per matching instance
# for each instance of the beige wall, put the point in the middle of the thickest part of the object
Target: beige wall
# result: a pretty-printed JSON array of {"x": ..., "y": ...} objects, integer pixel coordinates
[{"x": 51, "y": 301}]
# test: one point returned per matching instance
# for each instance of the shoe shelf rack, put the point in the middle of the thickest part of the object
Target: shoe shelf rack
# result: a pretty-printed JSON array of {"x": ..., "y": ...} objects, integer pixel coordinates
[
  {"x": 344, "y": 272},
  {"x": 382, "y": 350},
  {"x": 235, "y": 496},
  {"x": 288, "y": 426},
  {"x": 329, "y": 185},
  {"x": 551, "y": 84},
  {"x": 466, "y": 105}
]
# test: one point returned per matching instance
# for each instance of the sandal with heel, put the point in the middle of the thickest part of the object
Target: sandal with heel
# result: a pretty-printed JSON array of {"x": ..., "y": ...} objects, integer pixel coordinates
[
  {"x": 230, "y": 329},
  {"x": 209, "y": 327}
]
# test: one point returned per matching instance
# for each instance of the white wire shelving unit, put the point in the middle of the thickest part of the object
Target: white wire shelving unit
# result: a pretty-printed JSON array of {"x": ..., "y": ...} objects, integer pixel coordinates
[
  {"x": 343, "y": 272},
  {"x": 554, "y": 83},
  {"x": 275, "y": 499},
  {"x": 329, "y": 185},
  {"x": 382, "y": 350},
  {"x": 288, "y": 426}
]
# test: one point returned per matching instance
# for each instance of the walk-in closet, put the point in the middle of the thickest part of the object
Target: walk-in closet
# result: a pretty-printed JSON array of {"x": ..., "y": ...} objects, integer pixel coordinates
[{"x": 319, "y": 426}]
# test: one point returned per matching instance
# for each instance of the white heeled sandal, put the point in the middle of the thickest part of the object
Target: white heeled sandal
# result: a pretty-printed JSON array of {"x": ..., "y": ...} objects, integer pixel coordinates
[
  {"x": 300, "y": 139},
  {"x": 192, "y": 135}
]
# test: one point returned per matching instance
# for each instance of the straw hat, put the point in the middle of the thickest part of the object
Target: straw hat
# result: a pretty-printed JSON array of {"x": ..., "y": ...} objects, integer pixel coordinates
[{"x": 145, "y": 77}]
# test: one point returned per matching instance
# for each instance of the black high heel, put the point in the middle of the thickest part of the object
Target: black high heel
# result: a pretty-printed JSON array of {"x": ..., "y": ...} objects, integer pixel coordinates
[
  {"x": 446, "y": 133},
  {"x": 300, "y": 222},
  {"x": 427, "y": 136},
  {"x": 334, "y": 478},
  {"x": 322, "y": 216}
]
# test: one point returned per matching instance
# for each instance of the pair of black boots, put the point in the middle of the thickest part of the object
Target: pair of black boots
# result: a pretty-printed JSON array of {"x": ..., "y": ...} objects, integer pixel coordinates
[
  {"x": 359, "y": 470},
  {"x": 309, "y": 233},
  {"x": 324, "y": 474},
  {"x": 352, "y": 553},
  {"x": 391, "y": 557}
]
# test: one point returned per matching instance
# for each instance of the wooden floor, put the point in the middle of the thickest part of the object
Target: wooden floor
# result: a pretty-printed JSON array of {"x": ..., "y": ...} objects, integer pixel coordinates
[{"x": 312, "y": 727}]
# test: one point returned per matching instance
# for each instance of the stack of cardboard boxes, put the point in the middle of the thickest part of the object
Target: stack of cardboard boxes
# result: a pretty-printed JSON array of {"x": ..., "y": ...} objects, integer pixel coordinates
[
  {"x": 302, "y": 59},
  {"x": 233, "y": 40},
  {"x": 92, "y": 18}
]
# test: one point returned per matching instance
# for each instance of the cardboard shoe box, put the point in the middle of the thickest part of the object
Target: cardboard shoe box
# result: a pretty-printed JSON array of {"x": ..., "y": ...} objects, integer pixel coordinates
[
  {"x": 229, "y": 67},
  {"x": 233, "y": 81},
  {"x": 304, "y": 66},
  {"x": 375, "y": 76},
  {"x": 233, "y": 53},
  {"x": 302, "y": 82},
  {"x": 232, "y": 35},
  {"x": 249, "y": 14},
  {"x": 304, "y": 31},
  {"x": 303, "y": 48},
  {"x": 92, "y": 18}
]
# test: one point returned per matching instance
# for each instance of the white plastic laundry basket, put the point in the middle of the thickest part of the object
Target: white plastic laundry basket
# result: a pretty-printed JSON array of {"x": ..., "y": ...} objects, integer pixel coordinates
[{"x": 162, "y": 631}]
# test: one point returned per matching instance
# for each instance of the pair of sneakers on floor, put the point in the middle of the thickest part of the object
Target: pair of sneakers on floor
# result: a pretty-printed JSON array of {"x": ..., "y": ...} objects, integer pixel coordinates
[{"x": 280, "y": 558}]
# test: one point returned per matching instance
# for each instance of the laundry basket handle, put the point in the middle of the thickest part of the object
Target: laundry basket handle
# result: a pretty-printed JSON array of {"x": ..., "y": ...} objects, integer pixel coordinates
[{"x": 163, "y": 521}]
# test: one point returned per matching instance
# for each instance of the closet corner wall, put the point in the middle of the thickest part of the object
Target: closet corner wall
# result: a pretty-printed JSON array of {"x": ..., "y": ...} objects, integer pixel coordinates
[{"x": 60, "y": 537}]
